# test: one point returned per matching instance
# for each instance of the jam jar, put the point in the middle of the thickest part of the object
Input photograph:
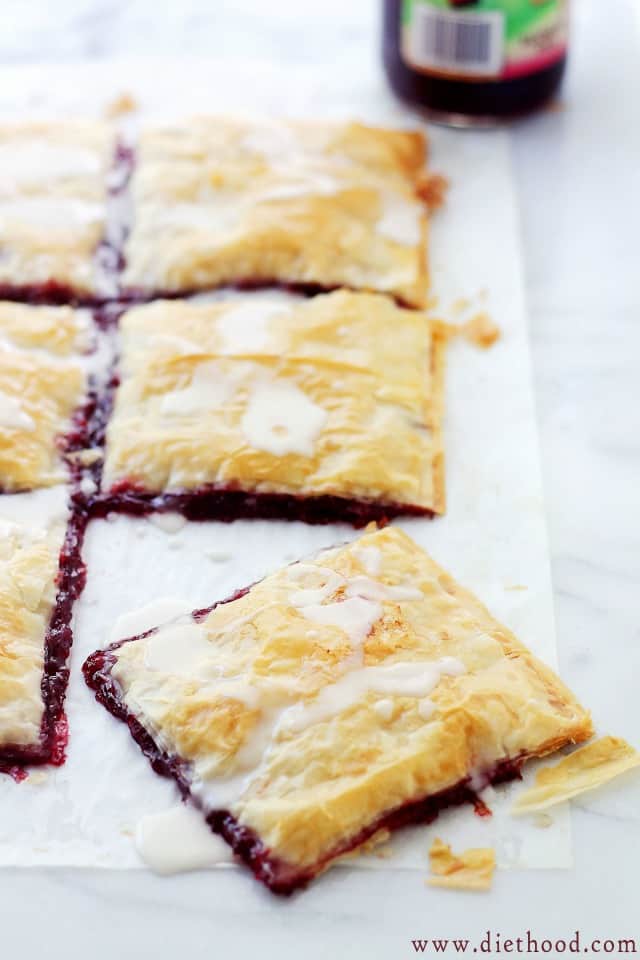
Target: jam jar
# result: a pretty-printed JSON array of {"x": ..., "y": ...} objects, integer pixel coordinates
[{"x": 475, "y": 62}]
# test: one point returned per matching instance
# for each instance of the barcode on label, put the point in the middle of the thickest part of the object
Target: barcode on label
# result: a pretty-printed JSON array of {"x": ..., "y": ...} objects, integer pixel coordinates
[{"x": 470, "y": 43}]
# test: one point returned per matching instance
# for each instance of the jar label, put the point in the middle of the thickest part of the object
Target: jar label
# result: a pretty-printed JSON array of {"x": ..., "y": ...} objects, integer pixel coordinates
[{"x": 483, "y": 39}]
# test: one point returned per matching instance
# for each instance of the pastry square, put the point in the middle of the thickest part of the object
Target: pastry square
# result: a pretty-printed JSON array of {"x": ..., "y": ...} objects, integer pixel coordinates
[
  {"x": 359, "y": 690},
  {"x": 53, "y": 208},
  {"x": 266, "y": 404},
  {"x": 219, "y": 201},
  {"x": 33, "y": 645},
  {"x": 42, "y": 389}
]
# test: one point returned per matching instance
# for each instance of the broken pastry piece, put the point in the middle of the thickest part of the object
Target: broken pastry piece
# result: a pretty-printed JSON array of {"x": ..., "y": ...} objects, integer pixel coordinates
[
  {"x": 481, "y": 330},
  {"x": 53, "y": 209},
  {"x": 34, "y": 644},
  {"x": 359, "y": 690},
  {"x": 42, "y": 389},
  {"x": 585, "y": 769},
  {"x": 270, "y": 405},
  {"x": 470, "y": 870},
  {"x": 218, "y": 201}
]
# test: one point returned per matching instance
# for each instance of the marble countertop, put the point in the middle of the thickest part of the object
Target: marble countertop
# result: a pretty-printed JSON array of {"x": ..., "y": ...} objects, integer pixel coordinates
[{"x": 578, "y": 172}]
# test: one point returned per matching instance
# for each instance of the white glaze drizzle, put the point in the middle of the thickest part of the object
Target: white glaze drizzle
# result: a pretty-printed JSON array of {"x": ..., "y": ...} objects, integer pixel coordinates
[
  {"x": 400, "y": 221},
  {"x": 370, "y": 558},
  {"x": 245, "y": 328},
  {"x": 37, "y": 160},
  {"x": 208, "y": 390},
  {"x": 281, "y": 419},
  {"x": 177, "y": 648},
  {"x": 220, "y": 212},
  {"x": 170, "y": 522},
  {"x": 134, "y": 622},
  {"x": 396, "y": 679},
  {"x": 12, "y": 415},
  {"x": 300, "y": 184},
  {"x": 88, "y": 486},
  {"x": 354, "y": 616},
  {"x": 375, "y": 590},
  {"x": 51, "y": 212},
  {"x": 332, "y": 581},
  {"x": 383, "y": 709},
  {"x": 426, "y": 708},
  {"x": 178, "y": 840},
  {"x": 271, "y": 139}
]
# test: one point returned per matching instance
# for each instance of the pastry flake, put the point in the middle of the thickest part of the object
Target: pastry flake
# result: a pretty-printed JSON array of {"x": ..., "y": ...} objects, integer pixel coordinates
[
  {"x": 42, "y": 385},
  {"x": 28, "y": 569},
  {"x": 219, "y": 201},
  {"x": 470, "y": 870},
  {"x": 335, "y": 398},
  {"x": 585, "y": 769},
  {"x": 267, "y": 708},
  {"x": 53, "y": 193}
]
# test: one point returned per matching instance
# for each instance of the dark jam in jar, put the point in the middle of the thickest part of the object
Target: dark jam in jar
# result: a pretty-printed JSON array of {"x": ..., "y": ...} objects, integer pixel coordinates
[{"x": 475, "y": 62}]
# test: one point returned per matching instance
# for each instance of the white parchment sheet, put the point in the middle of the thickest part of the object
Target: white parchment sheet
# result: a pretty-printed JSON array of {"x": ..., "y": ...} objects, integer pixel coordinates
[{"x": 492, "y": 539}]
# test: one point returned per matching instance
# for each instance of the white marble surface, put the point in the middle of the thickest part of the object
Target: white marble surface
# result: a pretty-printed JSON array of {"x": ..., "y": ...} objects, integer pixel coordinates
[{"x": 578, "y": 170}]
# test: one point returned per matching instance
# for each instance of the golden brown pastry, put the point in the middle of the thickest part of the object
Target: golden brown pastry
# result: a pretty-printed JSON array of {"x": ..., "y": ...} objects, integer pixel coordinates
[
  {"x": 53, "y": 191},
  {"x": 42, "y": 384},
  {"x": 217, "y": 201},
  {"x": 338, "y": 396},
  {"x": 356, "y": 691},
  {"x": 28, "y": 567}
]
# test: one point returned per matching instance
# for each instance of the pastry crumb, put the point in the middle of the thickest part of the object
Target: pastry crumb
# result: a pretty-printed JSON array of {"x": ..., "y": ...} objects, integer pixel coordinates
[
  {"x": 376, "y": 845},
  {"x": 433, "y": 190},
  {"x": 584, "y": 769},
  {"x": 481, "y": 330},
  {"x": 460, "y": 305},
  {"x": 542, "y": 820},
  {"x": 86, "y": 458},
  {"x": 516, "y": 586},
  {"x": 470, "y": 870},
  {"x": 37, "y": 777},
  {"x": 431, "y": 303},
  {"x": 123, "y": 103}
]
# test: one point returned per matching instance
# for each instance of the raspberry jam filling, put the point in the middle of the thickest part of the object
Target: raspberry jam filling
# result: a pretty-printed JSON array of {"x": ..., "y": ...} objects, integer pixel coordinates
[
  {"x": 226, "y": 504},
  {"x": 134, "y": 295},
  {"x": 51, "y": 747},
  {"x": 279, "y": 876}
]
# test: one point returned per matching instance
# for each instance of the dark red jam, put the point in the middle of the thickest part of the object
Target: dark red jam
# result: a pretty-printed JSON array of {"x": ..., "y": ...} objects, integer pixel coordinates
[{"x": 454, "y": 95}]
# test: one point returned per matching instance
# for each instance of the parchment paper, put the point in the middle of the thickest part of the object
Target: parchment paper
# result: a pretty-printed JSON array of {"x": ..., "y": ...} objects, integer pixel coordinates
[{"x": 492, "y": 539}]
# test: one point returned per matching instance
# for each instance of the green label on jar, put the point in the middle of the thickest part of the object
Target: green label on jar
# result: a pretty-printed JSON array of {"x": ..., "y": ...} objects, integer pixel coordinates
[{"x": 483, "y": 38}]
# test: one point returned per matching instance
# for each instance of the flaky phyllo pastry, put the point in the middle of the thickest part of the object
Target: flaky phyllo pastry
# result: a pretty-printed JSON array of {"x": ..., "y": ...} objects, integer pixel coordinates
[
  {"x": 266, "y": 404},
  {"x": 583, "y": 770},
  {"x": 359, "y": 690},
  {"x": 222, "y": 201},
  {"x": 42, "y": 386},
  {"x": 28, "y": 707},
  {"x": 53, "y": 207},
  {"x": 472, "y": 869}
]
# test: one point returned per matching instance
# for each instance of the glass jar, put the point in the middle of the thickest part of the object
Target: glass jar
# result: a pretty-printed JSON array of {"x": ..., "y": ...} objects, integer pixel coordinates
[{"x": 475, "y": 62}]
